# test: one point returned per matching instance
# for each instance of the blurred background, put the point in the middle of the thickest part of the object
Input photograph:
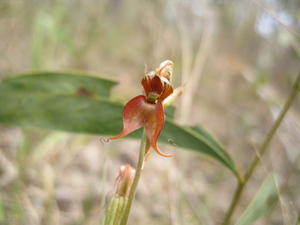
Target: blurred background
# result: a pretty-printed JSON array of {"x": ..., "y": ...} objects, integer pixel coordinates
[{"x": 238, "y": 60}]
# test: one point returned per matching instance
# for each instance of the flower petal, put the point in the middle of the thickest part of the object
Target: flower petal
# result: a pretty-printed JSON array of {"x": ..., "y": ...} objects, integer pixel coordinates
[
  {"x": 152, "y": 84},
  {"x": 137, "y": 113},
  {"x": 132, "y": 116},
  {"x": 146, "y": 84},
  {"x": 168, "y": 90},
  {"x": 154, "y": 123},
  {"x": 165, "y": 69}
]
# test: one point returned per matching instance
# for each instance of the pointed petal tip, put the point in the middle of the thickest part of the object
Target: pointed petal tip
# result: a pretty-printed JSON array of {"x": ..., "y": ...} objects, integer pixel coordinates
[
  {"x": 122, "y": 134},
  {"x": 132, "y": 116},
  {"x": 113, "y": 138},
  {"x": 161, "y": 153},
  {"x": 164, "y": 154}
]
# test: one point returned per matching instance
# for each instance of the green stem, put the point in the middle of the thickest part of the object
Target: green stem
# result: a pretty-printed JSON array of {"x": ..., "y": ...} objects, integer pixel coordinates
[
  {"x": 136, "y": 178},
  {"x": 242, "y": 183}
]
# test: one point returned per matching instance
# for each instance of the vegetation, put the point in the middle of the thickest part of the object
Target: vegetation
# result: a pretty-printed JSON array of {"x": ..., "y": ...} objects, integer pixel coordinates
[{"x": 69, "y": 67}]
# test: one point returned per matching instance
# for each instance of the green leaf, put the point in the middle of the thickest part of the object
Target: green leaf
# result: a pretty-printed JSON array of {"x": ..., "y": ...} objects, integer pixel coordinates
[
  {"x": 59, "y": 101},
  {"x": 57, "y": 83},
  {"x": 169, "y": 111},
  {"x": 196, "y": 139},
  {"x": 262, "y": 203}
]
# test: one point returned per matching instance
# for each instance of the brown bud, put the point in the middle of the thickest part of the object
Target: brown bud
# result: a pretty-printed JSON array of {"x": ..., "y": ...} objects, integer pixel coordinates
[{"x": 125, "y": 180}]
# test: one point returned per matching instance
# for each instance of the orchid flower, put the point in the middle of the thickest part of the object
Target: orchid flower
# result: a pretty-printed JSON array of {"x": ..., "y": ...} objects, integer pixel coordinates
[{"x": 147, "y": 110}]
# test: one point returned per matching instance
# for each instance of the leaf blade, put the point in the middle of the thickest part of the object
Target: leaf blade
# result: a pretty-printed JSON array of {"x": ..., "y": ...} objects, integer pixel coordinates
[
  {"x": 262, "y": 203},
  {"x": 58, "y": 83},
  {"x": 67, "y": 110}
]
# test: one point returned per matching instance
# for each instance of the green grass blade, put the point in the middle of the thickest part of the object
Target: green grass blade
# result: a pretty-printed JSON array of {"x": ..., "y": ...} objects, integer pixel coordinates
[{"x": 262, "y": 203}]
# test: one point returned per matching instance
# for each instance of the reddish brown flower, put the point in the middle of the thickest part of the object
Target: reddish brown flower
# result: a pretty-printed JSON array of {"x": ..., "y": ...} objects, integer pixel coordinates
[{"x": 147, "y": 110}]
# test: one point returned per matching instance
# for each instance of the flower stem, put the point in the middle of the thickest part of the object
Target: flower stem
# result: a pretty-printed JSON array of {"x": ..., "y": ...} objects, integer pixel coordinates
[
  {"x": 242, "y": 183},
  {"x": 136, "y": 178}
]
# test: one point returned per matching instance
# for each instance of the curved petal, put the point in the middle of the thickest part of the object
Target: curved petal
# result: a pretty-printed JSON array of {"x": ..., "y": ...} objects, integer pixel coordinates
[
  {"x": 165, "y": 69},
  {"x": 146, "y": 84},
  {"x": 152, "y": 84},
  {"x": 157, "y": 85},
  {"x": 154, "y": 123},
  {"x": 132, "y": 116},
  {"x": 168, "y": 90},
  {"x": 137, "y": 113}
]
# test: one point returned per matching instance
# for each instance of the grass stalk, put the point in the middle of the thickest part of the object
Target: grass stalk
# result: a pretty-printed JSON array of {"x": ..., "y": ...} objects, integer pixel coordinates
[{"x": 242, "y": 183}]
